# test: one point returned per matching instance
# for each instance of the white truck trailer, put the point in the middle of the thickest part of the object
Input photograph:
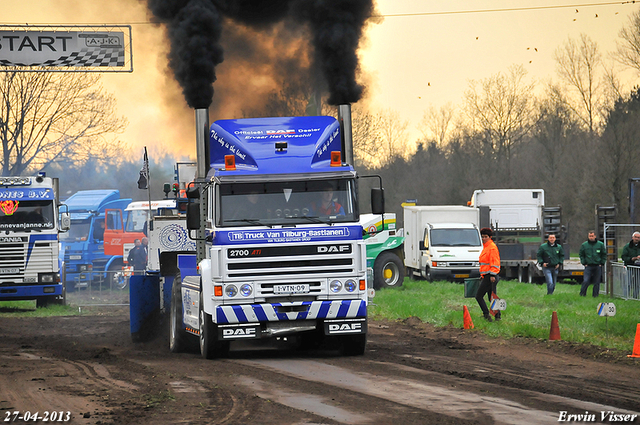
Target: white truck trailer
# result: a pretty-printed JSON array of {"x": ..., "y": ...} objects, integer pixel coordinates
[
  {"x": 521, "y": 222},
  {"x": 442, "y": 241}
]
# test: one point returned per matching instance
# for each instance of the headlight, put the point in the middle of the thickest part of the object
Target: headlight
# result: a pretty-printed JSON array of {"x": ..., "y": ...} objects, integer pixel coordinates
[
  {"x": 246, "y": 290},
  {"x": 231, "y": 290},
  {"x": 350, "y": 285},
  {"x": 47, "y": 278},
  {"x": 335, "y": 286}
]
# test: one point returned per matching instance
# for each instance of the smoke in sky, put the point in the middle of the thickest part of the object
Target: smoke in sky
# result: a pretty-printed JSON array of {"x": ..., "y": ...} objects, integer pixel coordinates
[{"x": 315, "y": 37}]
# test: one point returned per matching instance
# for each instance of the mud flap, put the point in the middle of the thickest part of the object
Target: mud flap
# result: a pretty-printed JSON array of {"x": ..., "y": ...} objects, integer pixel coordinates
[
  {"x": 345, "y": 326},
  {"x": 144, "y": 307},
  {"x": 230, "y": 332}
]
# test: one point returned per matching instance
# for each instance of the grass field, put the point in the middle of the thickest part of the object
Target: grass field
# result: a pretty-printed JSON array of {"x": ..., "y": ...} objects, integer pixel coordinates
[{"x": 528, "y": 312}]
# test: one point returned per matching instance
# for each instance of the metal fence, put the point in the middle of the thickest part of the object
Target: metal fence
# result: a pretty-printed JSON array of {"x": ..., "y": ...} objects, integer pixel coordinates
[
  {"x": 625, "y": 281},
  {"x": 98, "y": 289}
]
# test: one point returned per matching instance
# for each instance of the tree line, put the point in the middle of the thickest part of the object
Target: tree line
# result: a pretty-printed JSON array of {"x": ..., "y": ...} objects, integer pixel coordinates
[{"x": 575, "y": 136}]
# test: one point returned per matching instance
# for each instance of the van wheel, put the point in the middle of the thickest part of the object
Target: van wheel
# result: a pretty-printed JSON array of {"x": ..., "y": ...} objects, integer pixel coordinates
[{"x": 388, "y": 271}]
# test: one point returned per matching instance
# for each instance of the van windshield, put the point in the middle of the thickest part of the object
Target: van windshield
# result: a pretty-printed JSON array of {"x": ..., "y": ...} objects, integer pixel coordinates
[{"x": 455, "y": 237}]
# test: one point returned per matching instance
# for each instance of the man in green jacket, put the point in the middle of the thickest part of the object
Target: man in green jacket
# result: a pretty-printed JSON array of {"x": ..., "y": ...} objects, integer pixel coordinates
[
  {"x": 551, "y": 257},
  {"x": 631, "y": 257},
  {"x": 593, "y": 255}
]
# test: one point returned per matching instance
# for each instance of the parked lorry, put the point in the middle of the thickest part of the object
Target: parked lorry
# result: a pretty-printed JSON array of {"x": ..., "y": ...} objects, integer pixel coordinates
[
  {"x": 272, "y": 263},
  {"x": 82, "y": 255},
  {"x": 385, "y": 257},
  {"x": 442, "y": 242},
  {"x": 30, "y": 225},
  {"x": 521, "y": 222}
]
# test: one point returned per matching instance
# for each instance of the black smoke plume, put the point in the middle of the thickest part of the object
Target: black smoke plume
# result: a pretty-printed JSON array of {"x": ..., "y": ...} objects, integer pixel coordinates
[{"x": 195, "y": 28}]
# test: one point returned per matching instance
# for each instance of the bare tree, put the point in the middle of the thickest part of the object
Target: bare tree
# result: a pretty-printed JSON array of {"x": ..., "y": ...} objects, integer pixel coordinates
[
  {"x": 628, "y": 51},
  {"x": 379, "y": 138},
  {"x": 578, "y": 63},
  {"x": 53, "y": 117},
  {"x": 501, "y": 109},
  {"x": 437, "y": 123}
]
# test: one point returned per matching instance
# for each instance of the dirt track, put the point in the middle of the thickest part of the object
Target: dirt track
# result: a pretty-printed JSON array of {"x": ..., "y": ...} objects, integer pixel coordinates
[{"x": 411, "y": 373}]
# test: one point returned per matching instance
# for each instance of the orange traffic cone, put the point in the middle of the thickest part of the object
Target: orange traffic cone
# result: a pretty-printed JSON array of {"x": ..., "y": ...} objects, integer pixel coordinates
[
  {"x": 636, "y": 344},
  {"x": 468, "y": 323},
  {"x": 554, "y": 333}
]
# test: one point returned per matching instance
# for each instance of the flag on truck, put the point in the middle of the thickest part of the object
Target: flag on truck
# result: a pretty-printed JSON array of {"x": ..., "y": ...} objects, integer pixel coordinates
[{"x": 143, "y": 180}]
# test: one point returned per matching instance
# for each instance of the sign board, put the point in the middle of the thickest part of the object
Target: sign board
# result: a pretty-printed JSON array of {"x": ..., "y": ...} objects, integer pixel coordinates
[
  {"x": 606, "y": 309},
  {"x": 498, "y": 304},
  {"x": 66, "y": 48}
]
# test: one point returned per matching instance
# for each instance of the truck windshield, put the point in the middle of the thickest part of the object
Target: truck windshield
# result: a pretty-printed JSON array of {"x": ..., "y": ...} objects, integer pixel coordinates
[
  {"x": 455, "y": 237},
  {"x": 78, "y": 232},
  {"x": 137, "y": 221},
  {"x": 285, "y": 203},
  {"x": 26, "y": 215}
]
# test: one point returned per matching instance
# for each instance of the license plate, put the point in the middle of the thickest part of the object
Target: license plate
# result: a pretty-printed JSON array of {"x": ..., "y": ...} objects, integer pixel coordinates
[
  {"x": 9, "y": 271},
  {"x": 460, "y": 276},
  {"x": 301, "y": 288},
  {"x": 577, "y": 273}
]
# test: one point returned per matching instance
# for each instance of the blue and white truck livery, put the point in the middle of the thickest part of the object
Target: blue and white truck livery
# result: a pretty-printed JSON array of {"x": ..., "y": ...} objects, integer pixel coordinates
[
  {"x": 29, "y": 226},
  {"x": 82, "y": 254},
  {"x": 275, "y": 263}
]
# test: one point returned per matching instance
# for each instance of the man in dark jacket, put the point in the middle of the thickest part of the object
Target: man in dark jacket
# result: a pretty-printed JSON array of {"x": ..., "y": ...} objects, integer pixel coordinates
[
  {"x": 592, "y": 256},
  {"x": 631, "y": 257},
  {"x": 551, "y": 257}
]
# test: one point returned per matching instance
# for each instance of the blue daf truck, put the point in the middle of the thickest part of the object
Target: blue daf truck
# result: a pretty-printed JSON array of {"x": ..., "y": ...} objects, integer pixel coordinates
[
  {"x": 82, "y": 257},
  {"x": 283, "y": 254}
]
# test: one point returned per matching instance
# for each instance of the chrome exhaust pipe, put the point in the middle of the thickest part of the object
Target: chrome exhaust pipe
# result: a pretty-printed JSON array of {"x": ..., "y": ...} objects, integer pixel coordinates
[
  {"x": 202, "y": 143},
  {"x": 344, "y": 118}
]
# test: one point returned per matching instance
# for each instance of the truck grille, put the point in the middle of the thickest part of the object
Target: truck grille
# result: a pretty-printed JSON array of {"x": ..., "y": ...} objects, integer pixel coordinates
[
  {"x": 13, "y": 260},
  {"x": 300, "y": 263}
]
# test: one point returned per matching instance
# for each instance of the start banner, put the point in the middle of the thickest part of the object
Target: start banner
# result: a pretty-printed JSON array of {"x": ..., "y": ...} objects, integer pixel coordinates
[{"x": 96, "y": 48}]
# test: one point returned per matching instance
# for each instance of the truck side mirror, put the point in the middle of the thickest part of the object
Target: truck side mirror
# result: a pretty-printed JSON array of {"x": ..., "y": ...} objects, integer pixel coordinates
[
  {"x": 377, "y": 200},
  {"x": 193, "y": 193},
  {"x": 422, "y": 246},
  {"x": 193, "y": 216},
  {"x": 65, "y": 222}
]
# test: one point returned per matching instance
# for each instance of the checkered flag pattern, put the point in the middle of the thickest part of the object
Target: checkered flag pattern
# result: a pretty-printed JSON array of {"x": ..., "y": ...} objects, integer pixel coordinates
[{"x": 85, "y": 57}]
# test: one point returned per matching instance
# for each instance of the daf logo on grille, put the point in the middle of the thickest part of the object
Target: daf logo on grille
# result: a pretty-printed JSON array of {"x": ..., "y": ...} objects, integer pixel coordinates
[{"x": 334, "y": 248}]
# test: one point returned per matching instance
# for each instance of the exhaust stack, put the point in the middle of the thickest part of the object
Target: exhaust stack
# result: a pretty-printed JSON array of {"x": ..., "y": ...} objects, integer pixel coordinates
[
  {"x": 202, "y": 143},
  {"x": 344, "y": 118}
]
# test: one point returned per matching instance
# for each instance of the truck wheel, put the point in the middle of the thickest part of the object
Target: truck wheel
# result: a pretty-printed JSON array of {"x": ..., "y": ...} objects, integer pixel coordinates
[
  {"x": 388, "y": 271},
  {"x": 114, "y": 275},
  {"x": 522, "y": 274},
  {"x": 42, "y": 302},
  {"x": 210, "y": 346},
  {"x": 353, "y": 345},
  {"x": 178, "y": 338}
]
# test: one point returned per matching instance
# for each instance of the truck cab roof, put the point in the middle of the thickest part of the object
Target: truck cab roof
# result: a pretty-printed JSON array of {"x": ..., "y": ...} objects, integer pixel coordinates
[{"x": 281, "y": 145}]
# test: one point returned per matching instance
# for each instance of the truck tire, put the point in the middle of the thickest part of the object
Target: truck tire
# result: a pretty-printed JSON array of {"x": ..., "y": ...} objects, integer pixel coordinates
[
  {"x": 522, "y": 274},
  {"x": 210, "y": 346},
  {"x": 353, "y": 345},
  {"x": 115, "y": 277},
  {"x": 388, "y": 271},
  {"x": 179, "y": 340}
]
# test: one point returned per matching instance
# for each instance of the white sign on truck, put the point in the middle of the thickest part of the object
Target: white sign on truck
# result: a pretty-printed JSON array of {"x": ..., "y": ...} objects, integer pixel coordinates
[{"x": 442, "y": 241}]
